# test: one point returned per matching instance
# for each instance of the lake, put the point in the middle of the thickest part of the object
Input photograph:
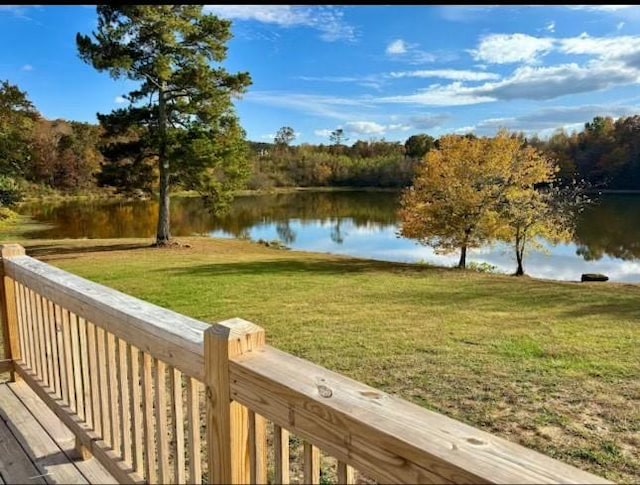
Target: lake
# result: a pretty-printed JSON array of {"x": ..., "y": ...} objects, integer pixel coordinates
[{"x": 356, "y": 223}]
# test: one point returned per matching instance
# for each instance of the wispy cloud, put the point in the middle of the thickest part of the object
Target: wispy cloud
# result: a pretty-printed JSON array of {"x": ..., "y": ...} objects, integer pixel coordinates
[
  {"x": 397, "y": 47},
  {"x": 550, "y": 27},
  {"x": 401, "y": 50},
  {"x": 312, "y": 104},
  {"x": 452, "y": 74},
  {"x": 328, "y": 21},
  {"x": 18, "y": 11},
  {"x": 27, "y": 67},
  {"x": 511, "y": 48},
  {"x": 119, "y": 100}
]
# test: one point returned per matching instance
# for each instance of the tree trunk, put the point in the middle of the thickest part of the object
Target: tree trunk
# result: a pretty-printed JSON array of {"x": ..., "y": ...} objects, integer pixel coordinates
[
  {"x": 163, "y": 235},
  {"x": 520, "y": 242},
  {"x": 463, "y": 257}
]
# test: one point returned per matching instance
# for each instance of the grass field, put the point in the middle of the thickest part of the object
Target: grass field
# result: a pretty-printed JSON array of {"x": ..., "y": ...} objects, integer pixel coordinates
[{"x": 554, "y": 366}]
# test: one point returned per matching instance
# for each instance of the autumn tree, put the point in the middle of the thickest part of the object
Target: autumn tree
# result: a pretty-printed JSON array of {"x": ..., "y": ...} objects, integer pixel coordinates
[
  {"x": 17, "y": 119},
  {"x": 417, "y": 146},
  {"x": 467, "y": 191},
  {"x": 180, "y": 116},
  {"x": 284, "y": 136}
]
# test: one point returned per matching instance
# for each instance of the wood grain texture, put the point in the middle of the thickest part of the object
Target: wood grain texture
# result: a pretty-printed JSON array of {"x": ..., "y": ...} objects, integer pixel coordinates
[
  {"x": 94, "y": 378},
  {"x": 392, "y": 439},
  {"x": 257, "y": 448},
  {"x": 8, "y": 304},
  {"x": 281, "y": 454},
  {"x": 162, "y": 428},
  {"x": 166, "y": 335},
  {"x": 193, "y": 436},
  {"x": 15, "y": 464},
  {"x": 103, "y": 384},
  {"x": 311, "y": 467},
  {"x": 68, "y": 360},
  {"x": 97, "y": 447},
  {"x": 64, "y": 388},
  {"x": 113, "y": 388},
  {"x": 55, "y": 362},
  {"x": 133, "y": 357},
  {"x": 147, "y": 416},
  {"x": 78, "y": 389},
  {"x": 125, "y": 408},
  {"x": 84, "y": 371},
  {"x": 179, "y": 475},
  {"x": 38, "y": 445},
  {"x": 48, "y": 339},
  {"x": 227, "y": 421},
  {"x": 346, "y": 474},
  {"x": 92, "y": 469}
]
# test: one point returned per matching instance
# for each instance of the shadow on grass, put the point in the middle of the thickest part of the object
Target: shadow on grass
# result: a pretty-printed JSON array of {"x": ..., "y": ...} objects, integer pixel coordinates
[
  {"x": 55, "y": 249},
  {"x": 531, "y": 298}
]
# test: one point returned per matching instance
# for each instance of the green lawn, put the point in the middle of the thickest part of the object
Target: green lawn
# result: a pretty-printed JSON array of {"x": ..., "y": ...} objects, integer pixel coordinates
[{"x": 553, "y": 366}]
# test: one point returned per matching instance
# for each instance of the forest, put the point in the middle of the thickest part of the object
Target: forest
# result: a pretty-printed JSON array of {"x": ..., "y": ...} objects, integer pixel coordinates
[{"x": 40, "y": 156}]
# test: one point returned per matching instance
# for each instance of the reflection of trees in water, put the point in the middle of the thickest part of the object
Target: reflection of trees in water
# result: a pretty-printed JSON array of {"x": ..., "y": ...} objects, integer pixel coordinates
[
  {"x": 610, "y": 227},
  {"x": 119, "y": 219}
]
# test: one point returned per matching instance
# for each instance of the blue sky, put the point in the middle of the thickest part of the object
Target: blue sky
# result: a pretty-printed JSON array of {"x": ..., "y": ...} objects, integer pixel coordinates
[{"x": 376, "y": 72}]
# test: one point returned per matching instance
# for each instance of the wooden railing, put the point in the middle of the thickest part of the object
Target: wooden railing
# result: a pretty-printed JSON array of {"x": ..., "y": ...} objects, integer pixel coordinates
[{"x": 160, "y": 397}]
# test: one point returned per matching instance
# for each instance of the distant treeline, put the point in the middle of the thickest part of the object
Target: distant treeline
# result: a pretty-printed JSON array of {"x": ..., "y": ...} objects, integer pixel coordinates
[{"x": 67, "y": 156}]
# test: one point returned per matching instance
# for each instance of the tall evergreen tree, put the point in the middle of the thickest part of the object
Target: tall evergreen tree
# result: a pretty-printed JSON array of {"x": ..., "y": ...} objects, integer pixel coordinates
[{"x": 181, "y": 115}]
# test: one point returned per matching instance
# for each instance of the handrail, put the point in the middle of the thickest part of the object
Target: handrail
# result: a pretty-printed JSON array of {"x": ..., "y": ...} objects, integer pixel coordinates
[
  {"x": 167, "y": 335},
  {"x": 246, "y": 381}
]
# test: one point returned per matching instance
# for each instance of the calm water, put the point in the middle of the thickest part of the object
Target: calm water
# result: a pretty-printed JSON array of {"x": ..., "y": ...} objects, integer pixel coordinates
[{"x": 360, "y": 224}]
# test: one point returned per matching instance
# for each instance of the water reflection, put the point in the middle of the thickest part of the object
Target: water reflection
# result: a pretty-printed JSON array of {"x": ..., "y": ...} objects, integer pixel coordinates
[{"x": 355, "y": 223}]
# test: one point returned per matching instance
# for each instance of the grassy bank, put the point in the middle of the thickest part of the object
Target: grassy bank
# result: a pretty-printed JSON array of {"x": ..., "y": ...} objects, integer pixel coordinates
[{"x": 554, "y": 366}]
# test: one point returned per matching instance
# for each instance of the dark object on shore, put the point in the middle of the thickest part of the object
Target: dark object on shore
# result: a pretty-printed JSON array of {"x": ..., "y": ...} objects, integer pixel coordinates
[{"x": 594, "y": 277}]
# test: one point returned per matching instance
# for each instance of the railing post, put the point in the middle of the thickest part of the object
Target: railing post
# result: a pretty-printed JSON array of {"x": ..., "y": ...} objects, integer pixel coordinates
[
  {"x": 9, "y": 312},
  {"x": 228, "y": 421}
]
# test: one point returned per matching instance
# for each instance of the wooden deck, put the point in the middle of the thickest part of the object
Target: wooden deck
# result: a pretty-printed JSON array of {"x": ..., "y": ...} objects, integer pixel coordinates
[{"x": 36, "y": 447}]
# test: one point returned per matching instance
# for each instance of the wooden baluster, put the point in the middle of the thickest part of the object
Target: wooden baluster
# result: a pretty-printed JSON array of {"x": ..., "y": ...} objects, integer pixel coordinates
[
  {"x": 162, "y": 429},
  {"x": 147, "y": 415},
  {"x": 112, "y": 388},
  {"x": 94, "y": 377},
  {"x": 311, "y": 464},
  {"x": 77, "y": 368},
  {"x": 281, "y": 449},
  {"x": 193, "y": 416},
  {"x": 84, "y": 368},
  {"x": 62, "y": 360},
  {"x": 105, "y": 405},
  {"x": 257, "y": 448},
  {"x": 68, "y": 357},
  {"x": 50, "y": 379},
  {"x": 31, "y": 363},
  {"x": 31, "y": 331},
  {"x": 125, "y": 410},
  {"x": 133, "y": 356},
  {"x": 346, "y": 474},
  {"x": 44, "y": 371},
  {"x": 55, "y": 363},
  {"x": 21, "y": 323},
  {"x": 9, "y": 312},
  {"x": 178, "y": 425}
]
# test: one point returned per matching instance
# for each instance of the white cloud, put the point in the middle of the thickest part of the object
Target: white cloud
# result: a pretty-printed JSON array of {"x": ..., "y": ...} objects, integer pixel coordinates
[
  {"x": 120, "y": 100},
  {"x": 397, "y": 47},
  {"x": 365, "y": 128},
  {"x": 324, "y": 133},
  {"x": 601, "y": 8},
  {"x": 551, "y": 26},
  {"x": 27, "y": 67},
  {"x": 511, "y": 48},
  {"x": 311, "y": 104},
  {"x": 453, "y": 74},
  {"x": 620, "y": 25},
  {"x": 454, "y": 94},
  {"x": 268, "y": 136},
  {"x": 327, "y": 20}
]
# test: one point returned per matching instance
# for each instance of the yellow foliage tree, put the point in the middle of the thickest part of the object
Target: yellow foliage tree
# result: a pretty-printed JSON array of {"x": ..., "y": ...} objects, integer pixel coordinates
[{"x": 471, "y": 191}]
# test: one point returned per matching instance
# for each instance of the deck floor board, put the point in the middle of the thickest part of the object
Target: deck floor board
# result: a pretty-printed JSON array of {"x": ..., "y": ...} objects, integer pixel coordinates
[{"x": 36, "y": 447}]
